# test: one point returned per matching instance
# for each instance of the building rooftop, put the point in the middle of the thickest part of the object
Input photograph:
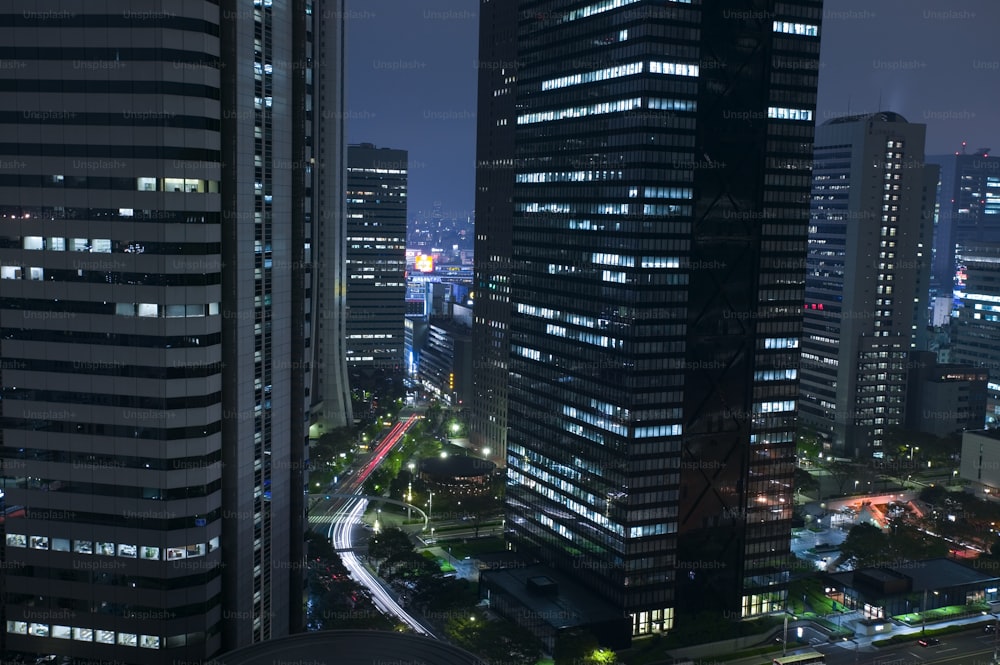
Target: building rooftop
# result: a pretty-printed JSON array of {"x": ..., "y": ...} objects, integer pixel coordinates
[
  {"x": 987, "y": 433},
  {"x": 929, "y": 575},
  {"x": 349, "y": 647},
  {"x": 881, "y": 116},
  {"x": 554, "y": 596}
]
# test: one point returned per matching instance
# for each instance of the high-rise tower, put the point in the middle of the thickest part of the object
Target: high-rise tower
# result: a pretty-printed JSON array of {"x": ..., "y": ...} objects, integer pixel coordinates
[
  {"x": 157, "y": 199},
  {"x": 659, "y": 224},
  {"x": 968, "y": 210},
  {"x": 494, "y": 209},
  {"x": 376, "y": 264},
  {"x": 867, "y": 280}
]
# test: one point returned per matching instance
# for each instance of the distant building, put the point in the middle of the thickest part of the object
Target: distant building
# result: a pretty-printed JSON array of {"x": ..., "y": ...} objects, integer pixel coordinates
[
  {"x": 942, "y": 399},
  {"x": 376, "y": 263},
  {"x": 981, "y": 462},
  {"x": 976, "y": 332},
  {"x": 414, "y": 340},
  {"x": 446, "y": 362},
  {"x": 866, "y": 276},
  {"x": 968, "y": 210}
]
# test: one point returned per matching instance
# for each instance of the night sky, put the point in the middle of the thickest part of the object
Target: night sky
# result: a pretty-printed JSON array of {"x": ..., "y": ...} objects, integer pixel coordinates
[{"x": 411, "y": 79}]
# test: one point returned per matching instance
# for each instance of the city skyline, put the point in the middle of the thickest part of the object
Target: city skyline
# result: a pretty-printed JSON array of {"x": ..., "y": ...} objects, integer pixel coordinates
[
  {"x": 618, "y": 415},
  {"x": 873, "y": 59}
]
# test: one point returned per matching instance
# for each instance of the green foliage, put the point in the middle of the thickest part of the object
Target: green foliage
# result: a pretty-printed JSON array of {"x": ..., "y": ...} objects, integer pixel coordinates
[
  {"x": 392, "y": 542},
  {"x": 496, "y": 641},
  {"x": 865, "y": 544},
  {"x": 318, "y": 546},
  {"x": 804, "y": 481},
  {"x": 573, "y": 646}
]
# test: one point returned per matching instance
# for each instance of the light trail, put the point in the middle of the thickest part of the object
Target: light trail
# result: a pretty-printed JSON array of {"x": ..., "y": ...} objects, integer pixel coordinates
[{"x": 348, "y": 515}]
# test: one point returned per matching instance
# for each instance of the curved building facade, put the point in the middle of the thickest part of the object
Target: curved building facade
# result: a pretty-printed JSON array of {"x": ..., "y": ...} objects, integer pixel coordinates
[{"x": 157, "y": 200}]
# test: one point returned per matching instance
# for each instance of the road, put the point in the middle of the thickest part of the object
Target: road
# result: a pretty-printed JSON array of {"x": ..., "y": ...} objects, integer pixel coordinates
[
  {"x": 347, "y": 515},
  {"x": 971, "y": 647}
]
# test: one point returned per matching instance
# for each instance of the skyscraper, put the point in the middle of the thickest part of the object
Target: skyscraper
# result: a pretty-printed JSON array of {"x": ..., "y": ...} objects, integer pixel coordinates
[
  {"x": 968, "y": 210},
  {"x": 157, "y": 197},
  {"x": 660, "y": 211},
  {"x": 376, "y": 263},
  {"x": 330, "y": 390},
  {"x": 867, "y": 276},
  {"x": 494, "y": 209},
  {"x": 976, "y": 337}
]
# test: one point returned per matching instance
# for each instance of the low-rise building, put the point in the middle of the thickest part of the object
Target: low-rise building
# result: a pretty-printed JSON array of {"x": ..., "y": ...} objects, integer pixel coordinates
[
  {"x": 549, "y": 603},
  {"x": 942, "y": 399},
  {"x": 981, "y": 462},
  {"x": 912, "y": 586}
]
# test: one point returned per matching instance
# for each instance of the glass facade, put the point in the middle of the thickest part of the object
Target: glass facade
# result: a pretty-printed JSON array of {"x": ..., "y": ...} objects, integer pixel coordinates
[{"x": 658, "y": 235}]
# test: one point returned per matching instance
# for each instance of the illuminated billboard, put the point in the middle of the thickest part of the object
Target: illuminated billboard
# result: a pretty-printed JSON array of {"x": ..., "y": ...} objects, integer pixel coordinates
[{"x": 424, "y": 263}]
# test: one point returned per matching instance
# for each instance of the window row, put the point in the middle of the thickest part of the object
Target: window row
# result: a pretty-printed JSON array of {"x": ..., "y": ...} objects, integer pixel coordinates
[
  {"x": 83, "y": 634},
  {"x": 127, "y": 551}
]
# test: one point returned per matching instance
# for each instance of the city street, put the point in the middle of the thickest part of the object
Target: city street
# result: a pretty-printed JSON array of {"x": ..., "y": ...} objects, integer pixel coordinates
[{"x": 344, "y": 515}]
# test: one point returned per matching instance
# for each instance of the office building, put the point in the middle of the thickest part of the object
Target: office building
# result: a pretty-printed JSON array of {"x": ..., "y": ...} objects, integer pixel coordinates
[
  {"x": 376, "y": 264},
  {"x": 866, "y": 280},
  {"x": 976, "y": 331},
  {"x": 659, "y": 223},
  {"x": 494, "y": 209},
  {"x": 944, "y": 398},
  {"x": 968, "y": 205},
  {"x": 446, "y": 360},
  {"x": 158, "y": 201},
  {"x": 980, "y": 464}
]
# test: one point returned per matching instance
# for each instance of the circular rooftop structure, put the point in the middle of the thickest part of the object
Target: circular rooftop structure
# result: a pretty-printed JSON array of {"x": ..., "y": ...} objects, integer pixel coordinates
[
  {"x": 350, "y": 647},
  {"x": 457, "y": 473},
  {"x": 456, "y": 466}
]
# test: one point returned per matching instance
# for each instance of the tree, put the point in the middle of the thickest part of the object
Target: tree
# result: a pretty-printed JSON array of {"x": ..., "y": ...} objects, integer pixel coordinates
[
  {"x": 407, "y": 565},
  {"x": 805, "y": 482},
  {"x": 908, "y": 542},
  {"x": 573, "y": 646},
  {"x": 842, "y": 473},
  {"x": 865, "y": 545},
  {"x": 934, "y": 495},
  {"x": 392, "y": 542}
]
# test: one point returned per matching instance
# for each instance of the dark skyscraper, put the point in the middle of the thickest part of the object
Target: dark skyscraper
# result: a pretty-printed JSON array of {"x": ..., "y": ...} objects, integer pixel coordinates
[
  {"x": 968, "y": 210},
  {"x": 866, "y": 283},
  {"x": 494, "y": 209},
  {"x": 976, "y": 335},
  {"x": 376, "y": 263},
  {"x": 659, "y": 223},
  {"x": 157, "y": 195}
]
